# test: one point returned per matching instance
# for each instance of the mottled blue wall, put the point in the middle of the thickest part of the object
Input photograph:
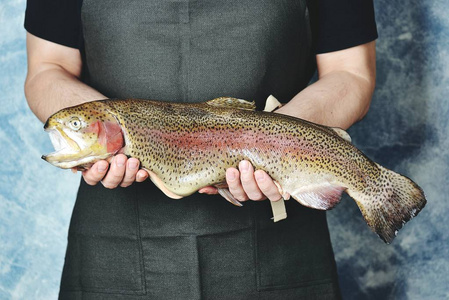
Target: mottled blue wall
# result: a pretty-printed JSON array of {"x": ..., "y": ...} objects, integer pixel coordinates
[{"x": 406, "y": 129}]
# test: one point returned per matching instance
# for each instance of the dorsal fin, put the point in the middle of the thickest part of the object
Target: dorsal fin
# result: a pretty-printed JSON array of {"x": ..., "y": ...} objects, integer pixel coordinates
[
  {"x": 341, "y": 133},
  {"x": 228, "y": 102}
]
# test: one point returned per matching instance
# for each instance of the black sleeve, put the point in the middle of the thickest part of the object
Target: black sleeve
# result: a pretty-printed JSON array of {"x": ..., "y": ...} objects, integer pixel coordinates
[
  {"x": 57, "y": 21},
  {"x": 341, "y": 24}
]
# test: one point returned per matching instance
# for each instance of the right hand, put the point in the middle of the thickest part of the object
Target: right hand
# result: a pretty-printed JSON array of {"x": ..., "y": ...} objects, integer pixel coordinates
[{"x": 121, "y": 171}]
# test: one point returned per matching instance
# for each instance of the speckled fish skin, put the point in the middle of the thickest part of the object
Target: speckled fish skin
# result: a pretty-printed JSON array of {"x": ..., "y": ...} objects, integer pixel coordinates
[{"x": 190, "y": 146}]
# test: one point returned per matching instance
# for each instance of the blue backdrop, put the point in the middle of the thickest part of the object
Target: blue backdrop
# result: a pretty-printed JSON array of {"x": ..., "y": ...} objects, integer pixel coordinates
[{"x": 406, "y": 130}]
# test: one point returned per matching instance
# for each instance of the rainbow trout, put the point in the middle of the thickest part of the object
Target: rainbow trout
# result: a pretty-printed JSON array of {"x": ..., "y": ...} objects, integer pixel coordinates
[{"x": 187, "y": 146}]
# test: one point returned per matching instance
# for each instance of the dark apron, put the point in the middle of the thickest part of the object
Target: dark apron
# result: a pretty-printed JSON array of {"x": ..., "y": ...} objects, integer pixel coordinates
[{"x": 135, "y": 243}]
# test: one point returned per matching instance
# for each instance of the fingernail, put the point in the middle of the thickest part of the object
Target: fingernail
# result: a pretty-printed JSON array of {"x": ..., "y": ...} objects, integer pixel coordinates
[
  {"x": 119, "y": 161},
  {"x": 231, "y": 176},
  {"x": 244, "y": 166},
  {"x": 102, "y": 168},
  {"x": 133, "y": 165}
]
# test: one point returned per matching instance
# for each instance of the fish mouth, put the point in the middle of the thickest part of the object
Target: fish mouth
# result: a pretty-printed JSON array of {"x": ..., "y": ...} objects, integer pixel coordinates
[
  {"x": 64, "y": 146},
  {"x": 67, "y": 152}
]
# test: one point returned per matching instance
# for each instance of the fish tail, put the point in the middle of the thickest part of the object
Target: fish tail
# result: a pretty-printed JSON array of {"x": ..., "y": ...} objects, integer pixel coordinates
[{"x": 388, "y": 203}]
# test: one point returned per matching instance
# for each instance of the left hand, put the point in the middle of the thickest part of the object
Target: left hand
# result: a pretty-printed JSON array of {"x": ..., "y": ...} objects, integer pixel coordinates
[{"x": 246, "y": 184}]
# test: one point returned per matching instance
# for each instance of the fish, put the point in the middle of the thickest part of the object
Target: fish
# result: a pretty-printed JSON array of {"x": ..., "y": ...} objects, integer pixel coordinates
[{"x": 187, "y": 146}]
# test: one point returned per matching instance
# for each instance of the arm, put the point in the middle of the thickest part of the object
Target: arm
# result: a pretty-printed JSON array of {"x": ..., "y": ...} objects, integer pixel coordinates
[
  {"x": 343, "y": 92},
  {"x": 339, "y": 98},
  {"x": 53, "y": 83}
]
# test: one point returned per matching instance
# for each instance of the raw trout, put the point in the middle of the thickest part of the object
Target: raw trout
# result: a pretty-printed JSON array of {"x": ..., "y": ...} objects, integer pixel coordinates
[{"x": 185, "y": 147}]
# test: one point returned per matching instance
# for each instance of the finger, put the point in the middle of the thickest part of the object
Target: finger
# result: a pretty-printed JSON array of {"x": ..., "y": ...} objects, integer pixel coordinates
[
  {"x": 132, "y": 167},
  {"x": 249, "y": 183},
  {"x": 234, "y": 184},
  {"x": 96, "y": 173},
  {"x": 210, "y": 190},
  {"x": 267, "y": 185},
  {"x": 116, "y": 172},
  {"x": 142, "y": 175}
]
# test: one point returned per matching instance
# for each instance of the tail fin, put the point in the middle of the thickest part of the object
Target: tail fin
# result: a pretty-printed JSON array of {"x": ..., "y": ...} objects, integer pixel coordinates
[{"x": 390, "y": 203}]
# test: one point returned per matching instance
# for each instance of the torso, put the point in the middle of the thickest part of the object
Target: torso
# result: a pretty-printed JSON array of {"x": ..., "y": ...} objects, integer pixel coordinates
[{"x": 135, "y": 243}]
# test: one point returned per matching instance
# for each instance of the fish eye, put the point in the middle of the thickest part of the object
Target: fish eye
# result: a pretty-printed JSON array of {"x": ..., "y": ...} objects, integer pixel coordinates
[{"x": 75, "y": 123}]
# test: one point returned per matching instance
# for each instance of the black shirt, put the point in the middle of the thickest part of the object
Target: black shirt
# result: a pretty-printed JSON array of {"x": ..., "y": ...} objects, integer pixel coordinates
[{"x": 336, "y": 25}]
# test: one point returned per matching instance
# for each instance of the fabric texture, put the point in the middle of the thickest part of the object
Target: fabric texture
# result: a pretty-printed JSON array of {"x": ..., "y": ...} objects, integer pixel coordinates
[
  {"x": 341, "y": 24},
  {"x": 199, "y": 247},
  {"x": 196, "y": 51},
  {"x": 55, "y": 21},
  {"x": 134, "y": 243}
]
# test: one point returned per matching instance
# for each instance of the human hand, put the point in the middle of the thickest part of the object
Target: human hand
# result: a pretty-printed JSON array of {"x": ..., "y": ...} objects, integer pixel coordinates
[
  {"x": 121, "y": 171},
  {"x": 246, "y": 184}
]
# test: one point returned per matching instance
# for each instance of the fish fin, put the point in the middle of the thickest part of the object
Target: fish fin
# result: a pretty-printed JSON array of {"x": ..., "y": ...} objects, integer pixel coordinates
[
  {"x": 225, "y": 193},
  {"x": 272, "y": 104},
  {"x": 228, "y": 102},
  {"x": 342, "y": 133},
  {"x": 323, "y": 196},
  {"x": 160, "y": 184},
  {"x": 389, "y": 203}
]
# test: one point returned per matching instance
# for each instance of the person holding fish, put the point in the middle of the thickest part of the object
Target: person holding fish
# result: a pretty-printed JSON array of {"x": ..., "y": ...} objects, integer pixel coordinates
[{"x": 126, "y": 239}]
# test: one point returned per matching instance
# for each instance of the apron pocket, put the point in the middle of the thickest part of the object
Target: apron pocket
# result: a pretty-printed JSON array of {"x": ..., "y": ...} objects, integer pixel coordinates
[
  {"x": 295, "y": 252},
  {"x": 104, "y": 265}
]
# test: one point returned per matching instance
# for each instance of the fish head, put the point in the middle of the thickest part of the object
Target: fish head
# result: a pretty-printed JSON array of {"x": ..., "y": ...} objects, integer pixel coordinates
[{"x": 82, "y": 135}]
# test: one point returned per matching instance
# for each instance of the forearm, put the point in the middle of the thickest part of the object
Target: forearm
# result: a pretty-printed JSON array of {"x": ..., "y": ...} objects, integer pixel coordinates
[
  {"x": 52, "y": 81},
  {"x": 343, "y": 92},
  {"x": 338, "y": 99},
  {"x": 53, "y": 89}
]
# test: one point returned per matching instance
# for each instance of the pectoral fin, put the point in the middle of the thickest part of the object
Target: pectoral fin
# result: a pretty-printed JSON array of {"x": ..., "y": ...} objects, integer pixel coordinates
[{"x": 225, "y": 193}]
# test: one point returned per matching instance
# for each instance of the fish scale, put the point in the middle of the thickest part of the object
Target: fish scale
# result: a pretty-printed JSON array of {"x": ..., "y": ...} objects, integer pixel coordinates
[{"x": 188, "y": 146}]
